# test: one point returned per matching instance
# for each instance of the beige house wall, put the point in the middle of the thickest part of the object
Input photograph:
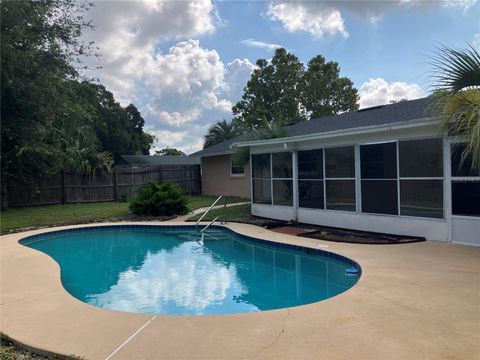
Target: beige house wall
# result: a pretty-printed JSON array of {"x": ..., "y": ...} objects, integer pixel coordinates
[{"x": 216, "y": 178}]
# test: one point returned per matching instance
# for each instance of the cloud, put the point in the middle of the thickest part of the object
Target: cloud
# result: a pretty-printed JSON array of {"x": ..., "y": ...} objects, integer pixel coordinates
[
  {"x": 378, "y": 92},
  {"x": 316, "y": 18},
  {"x": 260, "y": 44},
  {"x": 188, "y": 139},
  {"x": 190, "y": 287},
  {"x": 321, "y": 19},
  {"x": 237, "y": 73},
  {"x": 181, "y": 91}
]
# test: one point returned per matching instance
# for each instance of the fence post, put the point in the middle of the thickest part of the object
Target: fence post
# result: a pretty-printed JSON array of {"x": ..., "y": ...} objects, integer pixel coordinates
[
  {"x": 115, "y": 184},
  {"x": 64, "y": 190}
]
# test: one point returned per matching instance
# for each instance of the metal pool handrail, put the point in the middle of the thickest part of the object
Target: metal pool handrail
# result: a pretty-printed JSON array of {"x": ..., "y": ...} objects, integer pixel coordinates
[
  {"x": 208, "y": 225},
  {"x": 206, "y": 212}
]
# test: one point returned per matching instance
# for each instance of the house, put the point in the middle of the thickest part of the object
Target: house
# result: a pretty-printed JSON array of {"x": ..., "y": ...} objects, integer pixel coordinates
[
  {"x": 382, "y": 169},
  {"x": 220, "y": 174}
]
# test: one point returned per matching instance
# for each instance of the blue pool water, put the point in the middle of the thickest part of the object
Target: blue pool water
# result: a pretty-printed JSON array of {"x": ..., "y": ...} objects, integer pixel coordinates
[{"x": 167, "y": 270}]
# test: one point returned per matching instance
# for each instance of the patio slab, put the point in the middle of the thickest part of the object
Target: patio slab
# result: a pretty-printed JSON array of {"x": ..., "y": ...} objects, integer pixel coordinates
[{"x": 413, "y": 301}]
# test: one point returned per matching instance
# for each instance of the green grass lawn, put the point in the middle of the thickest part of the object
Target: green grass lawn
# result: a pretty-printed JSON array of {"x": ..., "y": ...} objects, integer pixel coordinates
[
  {"x": 240, "y": 213},
  {"x": 35, "y": 216}
]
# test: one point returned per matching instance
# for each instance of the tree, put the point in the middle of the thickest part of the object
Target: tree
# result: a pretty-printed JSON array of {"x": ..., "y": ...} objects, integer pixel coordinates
[
  {"x": 456, "y": 80},
  {"x": 78, "y": 149},
  {"x": 43, "y": 97},
  {"x": 272, "y": 92},
  {"x": 40, "y": 46},
  {"x": 325, "y": 92},
  {"x": 223, "y": 130},
  {"x": 283, "y": 91},
  {"x": 170, "y": 152},
  {"x": 119, "y": 130}
]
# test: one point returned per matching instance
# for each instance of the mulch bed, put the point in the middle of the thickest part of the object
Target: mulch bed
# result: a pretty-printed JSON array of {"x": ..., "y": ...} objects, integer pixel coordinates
[{"x": 344, "y": 235}]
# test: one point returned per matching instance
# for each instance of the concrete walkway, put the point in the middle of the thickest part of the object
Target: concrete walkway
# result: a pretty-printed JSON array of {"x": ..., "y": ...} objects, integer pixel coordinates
[{"x": 413, "y": 301}]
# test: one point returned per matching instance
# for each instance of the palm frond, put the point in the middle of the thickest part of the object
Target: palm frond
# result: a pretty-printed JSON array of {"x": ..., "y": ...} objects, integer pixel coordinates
[
  {"x": 455, "y": 70},
  {"x": 460, "y": 117}
]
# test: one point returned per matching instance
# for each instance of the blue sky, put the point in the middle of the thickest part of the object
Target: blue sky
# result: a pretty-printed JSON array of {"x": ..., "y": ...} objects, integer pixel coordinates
[{"x": 184, "y": 64}]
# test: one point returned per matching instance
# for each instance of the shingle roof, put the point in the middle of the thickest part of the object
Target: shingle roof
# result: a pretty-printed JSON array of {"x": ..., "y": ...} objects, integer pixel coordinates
[
  {"x": 403, "y": 111},
  {"x": 221, "y": 148},
  {"x": 378, "y": 115},
  {"x": 156, "y": 160}
]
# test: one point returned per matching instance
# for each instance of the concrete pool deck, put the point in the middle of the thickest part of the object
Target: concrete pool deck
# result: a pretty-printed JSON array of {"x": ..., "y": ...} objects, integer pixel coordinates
[{"x": 413, "y": 301}]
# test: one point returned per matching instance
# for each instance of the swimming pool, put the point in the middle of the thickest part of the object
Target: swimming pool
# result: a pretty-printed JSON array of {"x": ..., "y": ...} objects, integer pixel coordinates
[{"x": 170, "y": 270}]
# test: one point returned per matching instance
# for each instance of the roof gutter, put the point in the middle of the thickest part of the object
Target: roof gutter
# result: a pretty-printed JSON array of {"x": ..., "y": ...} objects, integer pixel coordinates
[{"x": 345, "y": 132}]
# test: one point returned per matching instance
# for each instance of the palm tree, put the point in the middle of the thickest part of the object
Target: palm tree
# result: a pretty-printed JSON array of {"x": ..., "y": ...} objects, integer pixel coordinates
[
  {"x": 456, "y": 81},
  {"x": 78, "y": 149},
  {"x": 223, "y": 130},
  {"x": 269, "y": 130}
]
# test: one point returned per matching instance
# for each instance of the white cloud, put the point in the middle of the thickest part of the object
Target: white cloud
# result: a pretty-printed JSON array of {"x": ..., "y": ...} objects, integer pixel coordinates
[
  {"x": 180, "y": 92},
  {"x": 322, "y": 19},
  {"x": 192, "y": 285},
  {"x": 260, "y": 44},
  {"x": 378, "y": 92},
  {"x": 237, "y": 73},
  {"x": 188, "y": 140},
  {"x": 317, "y": 18}
]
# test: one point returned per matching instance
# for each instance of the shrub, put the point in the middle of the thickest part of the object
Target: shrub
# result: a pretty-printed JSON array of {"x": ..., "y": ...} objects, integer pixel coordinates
[
  {"x": 159, "y": 199},
  {"x": 123, "y": 197}
]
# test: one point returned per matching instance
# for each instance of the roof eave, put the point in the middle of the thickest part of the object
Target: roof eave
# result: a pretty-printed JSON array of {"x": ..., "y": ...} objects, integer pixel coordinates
[
  {"x": 344, "y": 132},
  {"x": 217, "y": 153}
]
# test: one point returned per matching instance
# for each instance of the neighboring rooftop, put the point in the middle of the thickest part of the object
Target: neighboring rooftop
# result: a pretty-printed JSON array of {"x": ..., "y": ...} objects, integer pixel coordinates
[
  {"x": 156, "y": 160},
  {"x": 403, "y": 111}
]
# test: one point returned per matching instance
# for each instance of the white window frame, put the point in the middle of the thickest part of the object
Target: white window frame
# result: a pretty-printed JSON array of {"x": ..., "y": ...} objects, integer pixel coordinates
[{"x": 236, "y": 175}]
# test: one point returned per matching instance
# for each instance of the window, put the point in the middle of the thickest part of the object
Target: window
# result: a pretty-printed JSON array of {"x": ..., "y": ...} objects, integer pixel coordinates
[
  {"x": 282, "y": 165},
  {"x": 282, "y": 192},
  {"x": 379, "y": 161},
  {"x": 340, "y": 195},
  {"x": 310, "y": 179},
  {"x": 379, "y": 178},
  {"x": 261, "y": 179},
  {"x": 282, "y": 179},
  {"x": 340, "y": 178},
  {"x": 423, "y": 198},
  {"x": 272, "y": 179},
  {"x": 310, "y": 194},
  {"x": 261, "y": 166},
  {"x": 465, "y": 184},
  {"x": 262, "y": 191},
  {"x": 466, "y": 198},
  {"x": 421, "y": 158},
  {"x": 236, "y": 169},
  {"x": 421, "y": 178},
  {"x": 310, "y": 164},
  {"x": 459, "y": 168},
  {"x": 340, "y": 162}
]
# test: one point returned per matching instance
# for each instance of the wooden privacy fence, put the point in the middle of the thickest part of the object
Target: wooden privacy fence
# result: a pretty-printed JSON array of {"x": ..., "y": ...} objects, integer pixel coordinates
[{"x": 121, "y": 183}]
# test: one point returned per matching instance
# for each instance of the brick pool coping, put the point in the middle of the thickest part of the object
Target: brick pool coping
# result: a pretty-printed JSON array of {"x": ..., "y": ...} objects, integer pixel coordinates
[{"x": 414, "y": 301}]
